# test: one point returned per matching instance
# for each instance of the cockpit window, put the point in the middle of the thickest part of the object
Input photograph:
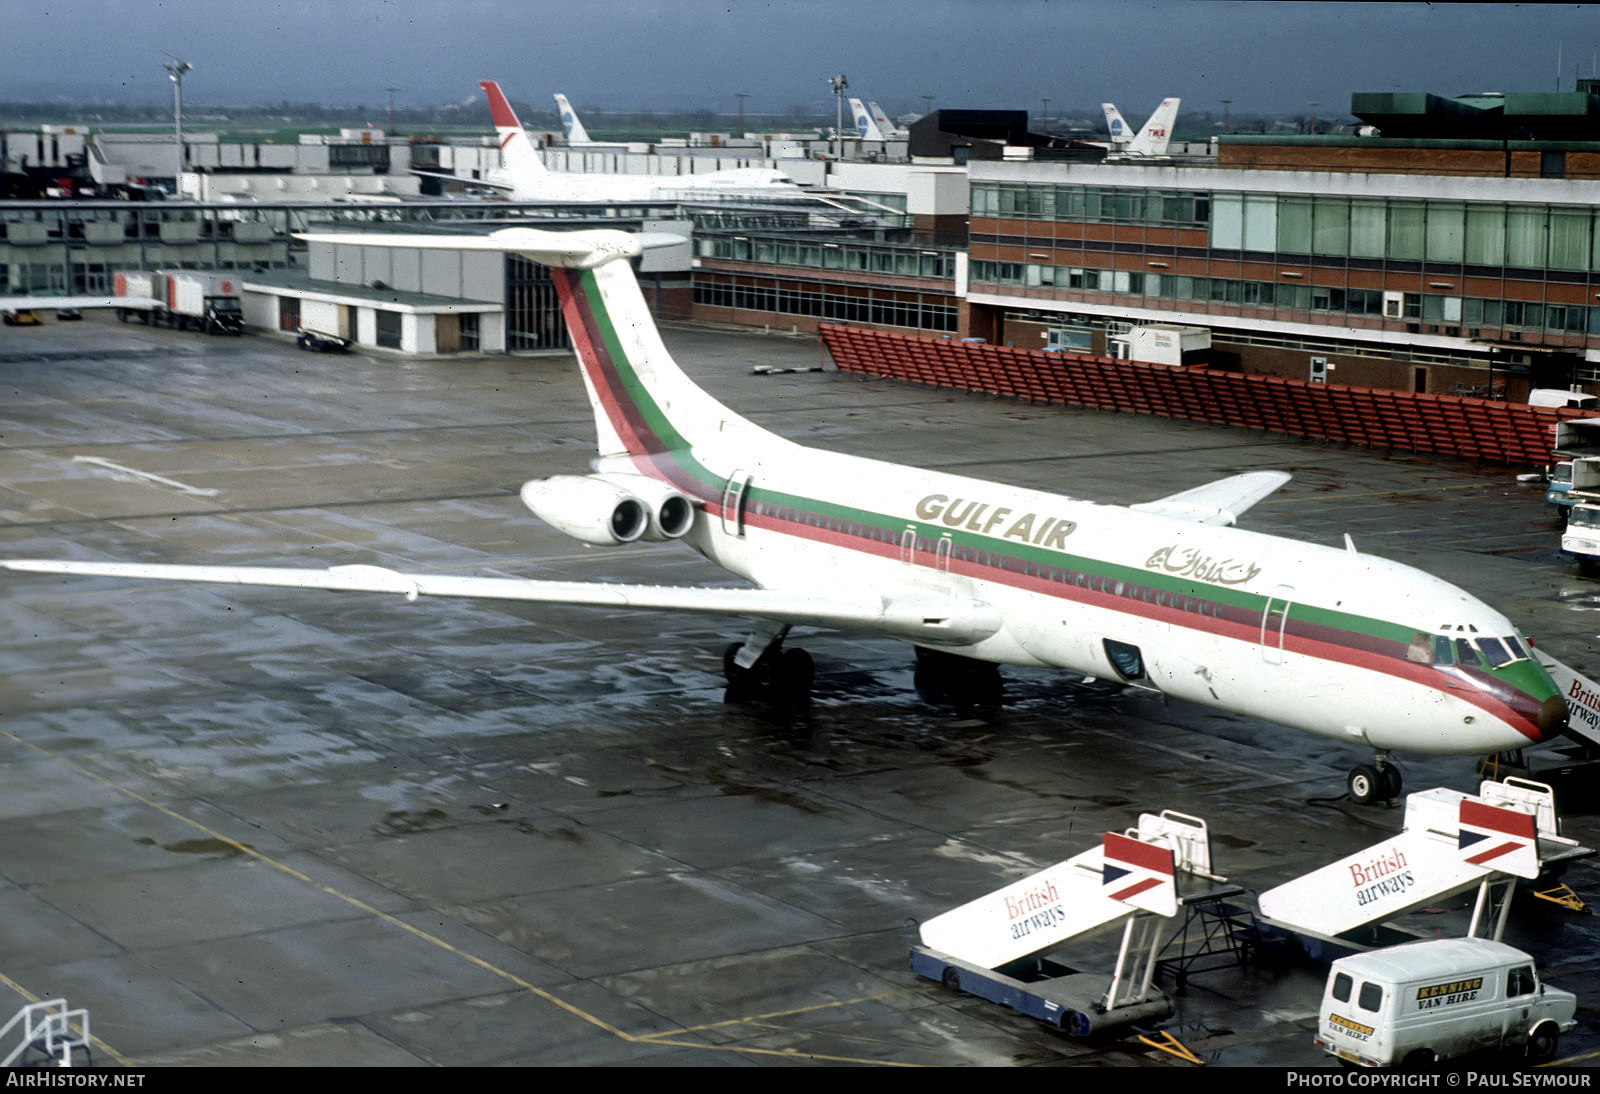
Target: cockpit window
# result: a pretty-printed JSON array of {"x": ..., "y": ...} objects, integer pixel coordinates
[
  {"x": 1494, "y": 651},
  {"x": 1441, "y": 649}
]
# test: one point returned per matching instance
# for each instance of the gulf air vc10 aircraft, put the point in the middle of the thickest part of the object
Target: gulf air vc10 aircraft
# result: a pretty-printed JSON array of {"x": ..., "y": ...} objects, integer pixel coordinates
[{"x": 1165, "y": 595}]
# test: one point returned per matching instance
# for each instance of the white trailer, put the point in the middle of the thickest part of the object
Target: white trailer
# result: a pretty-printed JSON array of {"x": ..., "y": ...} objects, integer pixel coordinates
[
  {"x": 1158, "y": 345},
  {"x": 184, "y": 299}
]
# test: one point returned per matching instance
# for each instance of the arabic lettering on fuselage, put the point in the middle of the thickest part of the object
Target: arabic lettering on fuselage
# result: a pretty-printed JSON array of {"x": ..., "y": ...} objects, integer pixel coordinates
[
  {"x": 982, "y": 517},
  {"x": 1189, "y": 562}
]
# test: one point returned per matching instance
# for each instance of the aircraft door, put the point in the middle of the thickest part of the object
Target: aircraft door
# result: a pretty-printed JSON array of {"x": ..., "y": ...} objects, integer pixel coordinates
[
  {"x": 1274, "y": 620},
  {"x": 733, "y": 496}
]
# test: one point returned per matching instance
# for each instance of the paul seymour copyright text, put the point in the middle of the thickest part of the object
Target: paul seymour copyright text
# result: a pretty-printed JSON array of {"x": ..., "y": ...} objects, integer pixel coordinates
[{"x": 1455, "y": 1080}]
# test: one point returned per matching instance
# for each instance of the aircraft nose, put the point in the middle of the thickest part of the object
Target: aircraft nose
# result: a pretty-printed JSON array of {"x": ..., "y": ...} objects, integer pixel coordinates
[{"x": 1552, "y": 717}]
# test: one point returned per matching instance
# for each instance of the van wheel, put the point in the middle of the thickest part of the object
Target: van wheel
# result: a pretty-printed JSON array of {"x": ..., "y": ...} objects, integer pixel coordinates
[
  {"x": 1422, "y": 1059},
  {"x": 1542, "y": 1042}
]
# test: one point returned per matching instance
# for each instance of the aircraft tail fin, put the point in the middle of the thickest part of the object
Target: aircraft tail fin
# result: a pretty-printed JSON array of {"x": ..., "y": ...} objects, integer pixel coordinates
[
  {"x": 644, "y": 405},
  {"x": 885, "y": 126},
  {"x": 1115, "y": 125},
  {"x": 576, "y": 133},
  {"x": 1153, "y": 139},
  {"x": 517, "y": 154},
  {"x": 866, "y": 127}
]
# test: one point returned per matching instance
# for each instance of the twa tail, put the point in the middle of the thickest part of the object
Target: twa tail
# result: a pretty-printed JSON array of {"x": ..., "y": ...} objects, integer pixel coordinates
[
  {"x": 1157, "y": 132},
  {"x": 518, "y": 157},
  {"x": 576, "y": 133}
]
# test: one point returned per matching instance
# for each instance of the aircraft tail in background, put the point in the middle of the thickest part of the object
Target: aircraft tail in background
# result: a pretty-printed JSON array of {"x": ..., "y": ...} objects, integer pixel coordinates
[
  {"x": 576, "y": 133},
  {"x": 866, "y": 128},
  {"x": 885, "y": 126},
  {"x": 1116, "y": 126},
  {"x": 1153, "y": 139},
  {"x": 518, "y": 157}
]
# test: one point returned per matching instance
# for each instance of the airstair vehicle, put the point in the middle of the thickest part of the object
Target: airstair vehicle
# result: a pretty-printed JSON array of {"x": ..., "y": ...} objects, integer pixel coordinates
[
  {"x": 1007, "y": 946},
  {"x": 1451, "y": 843},
  {"x": 48, "y": 1034}
]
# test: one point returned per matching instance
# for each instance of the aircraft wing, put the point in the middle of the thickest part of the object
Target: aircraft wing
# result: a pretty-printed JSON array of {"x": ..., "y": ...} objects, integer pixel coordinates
[
  {"x": 919, "y": 617},
  {"x": 479, "y": 183},
  {"x": 1220, "y": 502}
]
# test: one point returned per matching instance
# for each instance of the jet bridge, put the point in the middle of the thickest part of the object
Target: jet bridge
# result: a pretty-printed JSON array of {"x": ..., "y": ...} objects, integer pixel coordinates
[
  {"x": 1451, "y": 842},
  {"x": 1006, "y": 946}
]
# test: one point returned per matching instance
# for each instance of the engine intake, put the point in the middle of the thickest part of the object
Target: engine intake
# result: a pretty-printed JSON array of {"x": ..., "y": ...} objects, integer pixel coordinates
[
  {"x": 587, "y": 508},
  {"x": 608, "y": 510}
]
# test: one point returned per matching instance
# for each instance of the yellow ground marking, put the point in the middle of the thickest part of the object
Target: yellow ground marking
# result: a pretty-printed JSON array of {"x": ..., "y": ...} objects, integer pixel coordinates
[{"x": 354, "y": 902}]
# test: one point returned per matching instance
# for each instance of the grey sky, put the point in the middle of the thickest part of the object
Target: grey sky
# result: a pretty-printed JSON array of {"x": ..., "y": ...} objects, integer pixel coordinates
[{"x": 623, "y": 54}]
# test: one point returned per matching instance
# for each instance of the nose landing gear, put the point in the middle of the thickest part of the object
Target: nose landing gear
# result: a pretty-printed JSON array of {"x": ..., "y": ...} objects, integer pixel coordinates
[{"x": 1377, "y": 781}]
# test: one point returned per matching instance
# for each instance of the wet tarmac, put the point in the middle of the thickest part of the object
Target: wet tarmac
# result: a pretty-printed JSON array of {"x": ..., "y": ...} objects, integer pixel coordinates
[{"x": 257, "y": 826}]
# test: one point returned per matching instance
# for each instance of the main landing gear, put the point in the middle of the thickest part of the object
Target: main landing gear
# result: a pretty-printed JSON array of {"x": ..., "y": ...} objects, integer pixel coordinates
[
  {"x": 1378, "y": 781},
  {"x": 760, "y": 668},
  {"x": 951, "y": 678}
]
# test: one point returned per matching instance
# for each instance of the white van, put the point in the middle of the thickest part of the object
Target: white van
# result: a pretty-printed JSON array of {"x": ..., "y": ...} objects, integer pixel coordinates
[
  {"x": 1416, "y": 1004},
  {"x": 1555, "y": 396}
]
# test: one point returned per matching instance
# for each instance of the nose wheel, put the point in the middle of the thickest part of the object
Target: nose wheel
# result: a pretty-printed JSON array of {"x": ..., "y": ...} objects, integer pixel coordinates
[{"x": 1374, "y": 782}]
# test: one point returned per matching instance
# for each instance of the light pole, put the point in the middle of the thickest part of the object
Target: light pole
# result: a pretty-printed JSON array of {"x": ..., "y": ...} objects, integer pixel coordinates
[
  {"x": 175, "y": 70},
  {"x": 740, "y": 95},
  {"x": 1225, "y": 127},
  {"x": 838, "y": 84},
  {"x": 1045, "y": 126},
  {"x": 391, "y": 91}
]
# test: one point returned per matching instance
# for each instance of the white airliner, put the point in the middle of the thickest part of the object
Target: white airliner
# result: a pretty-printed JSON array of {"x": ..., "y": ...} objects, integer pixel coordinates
[
  {"x": 1164, "y": 595},
  {"x": 1152, "y": 140},
  {"x": 524, "y": 176}
]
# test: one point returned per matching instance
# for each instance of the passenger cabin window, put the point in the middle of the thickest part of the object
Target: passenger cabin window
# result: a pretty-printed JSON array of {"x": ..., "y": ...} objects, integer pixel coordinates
[
  {"x": 1371, "y": 997},
  {"x": 1341, "y": 987}
]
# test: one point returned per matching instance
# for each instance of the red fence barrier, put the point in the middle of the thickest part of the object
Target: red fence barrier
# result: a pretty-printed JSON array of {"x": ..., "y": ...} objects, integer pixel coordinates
[{"x": 1475, "y": 429}]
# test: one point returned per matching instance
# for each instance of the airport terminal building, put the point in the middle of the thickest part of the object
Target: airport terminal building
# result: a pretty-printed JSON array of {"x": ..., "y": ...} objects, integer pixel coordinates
[{"x": 1459, "y": 252}]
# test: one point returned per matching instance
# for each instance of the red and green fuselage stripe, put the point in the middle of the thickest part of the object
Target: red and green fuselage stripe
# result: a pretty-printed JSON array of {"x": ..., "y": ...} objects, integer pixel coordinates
[{"x": 1514, "y": 692}]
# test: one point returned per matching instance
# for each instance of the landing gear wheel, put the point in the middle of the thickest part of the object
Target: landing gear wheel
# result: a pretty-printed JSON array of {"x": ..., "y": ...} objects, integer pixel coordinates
[
  {"x": 1391, "y": 782},
  {"x": 793, "y": 675},
  {"x": 783, "y": 676},
  {"x": 1364, "y": 784}
]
